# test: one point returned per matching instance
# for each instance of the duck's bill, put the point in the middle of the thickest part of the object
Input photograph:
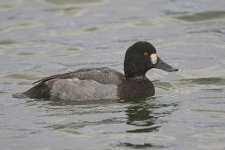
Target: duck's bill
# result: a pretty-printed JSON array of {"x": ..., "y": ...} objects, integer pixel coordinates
[{"x": 164, "y": 66}]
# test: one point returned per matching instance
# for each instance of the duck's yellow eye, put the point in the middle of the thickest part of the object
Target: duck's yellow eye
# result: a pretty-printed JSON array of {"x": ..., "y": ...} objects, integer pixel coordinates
[{"x": 146, "y": 53}]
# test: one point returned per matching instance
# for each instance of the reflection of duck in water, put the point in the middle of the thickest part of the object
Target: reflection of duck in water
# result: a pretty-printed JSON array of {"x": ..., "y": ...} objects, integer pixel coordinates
[
  {"x": 141, "y": 114},
  {"x": 104, "y": 83}
]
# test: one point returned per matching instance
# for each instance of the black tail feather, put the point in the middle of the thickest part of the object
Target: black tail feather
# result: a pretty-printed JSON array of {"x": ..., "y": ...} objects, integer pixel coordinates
[{"x": 39, "y": 91}]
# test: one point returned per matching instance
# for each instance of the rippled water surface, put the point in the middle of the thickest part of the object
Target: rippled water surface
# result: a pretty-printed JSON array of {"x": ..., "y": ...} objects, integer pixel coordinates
[{"x": 44, "y": 37}]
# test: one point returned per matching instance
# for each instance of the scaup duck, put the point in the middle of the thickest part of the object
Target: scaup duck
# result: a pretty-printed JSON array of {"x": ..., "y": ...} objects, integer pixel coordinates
[{"x": 104, "y": 83}]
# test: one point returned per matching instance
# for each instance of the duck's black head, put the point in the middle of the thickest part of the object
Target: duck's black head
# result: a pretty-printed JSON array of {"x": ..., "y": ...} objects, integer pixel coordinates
[{"x": 140, "y": 57}]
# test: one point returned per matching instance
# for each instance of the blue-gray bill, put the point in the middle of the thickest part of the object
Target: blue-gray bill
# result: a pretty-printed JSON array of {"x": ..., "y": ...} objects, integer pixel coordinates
[{"x": 164, "y": 66}]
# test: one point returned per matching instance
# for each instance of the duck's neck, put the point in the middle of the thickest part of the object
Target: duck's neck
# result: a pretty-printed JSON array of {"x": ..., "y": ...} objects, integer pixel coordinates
[
  {"x": 138, "y": 78},
  {"x": 133, "y": 72}
]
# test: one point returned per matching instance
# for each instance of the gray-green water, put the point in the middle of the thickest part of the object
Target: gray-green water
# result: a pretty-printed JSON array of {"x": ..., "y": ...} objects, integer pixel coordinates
[{"x": 44, "y": 37}]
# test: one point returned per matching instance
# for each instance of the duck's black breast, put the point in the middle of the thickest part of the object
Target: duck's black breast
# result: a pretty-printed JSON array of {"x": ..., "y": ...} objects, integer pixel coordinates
[{"x": 136, "y": 88}]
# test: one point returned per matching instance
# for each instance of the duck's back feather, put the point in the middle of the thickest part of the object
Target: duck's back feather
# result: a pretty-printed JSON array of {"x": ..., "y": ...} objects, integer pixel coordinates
[{"x": 102, "y": 75}]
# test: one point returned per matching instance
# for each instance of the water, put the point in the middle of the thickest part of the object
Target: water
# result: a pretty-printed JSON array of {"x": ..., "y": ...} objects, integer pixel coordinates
[{"x": 44, "y": 37}]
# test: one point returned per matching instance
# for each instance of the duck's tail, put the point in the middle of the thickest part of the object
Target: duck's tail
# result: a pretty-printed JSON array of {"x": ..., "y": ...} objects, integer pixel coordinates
[
  {"x": 39, "y": 91},
  {"x": 19, "y": 95}
]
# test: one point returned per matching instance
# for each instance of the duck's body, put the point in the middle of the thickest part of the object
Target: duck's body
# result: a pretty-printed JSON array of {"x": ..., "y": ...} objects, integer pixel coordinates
[
  {"x": 104, "y": 83},
  {"x": 91, "y": 83}
]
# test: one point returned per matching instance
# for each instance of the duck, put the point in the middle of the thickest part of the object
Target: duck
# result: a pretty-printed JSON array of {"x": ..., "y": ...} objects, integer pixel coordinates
[{"x": 103, "y": 82}]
